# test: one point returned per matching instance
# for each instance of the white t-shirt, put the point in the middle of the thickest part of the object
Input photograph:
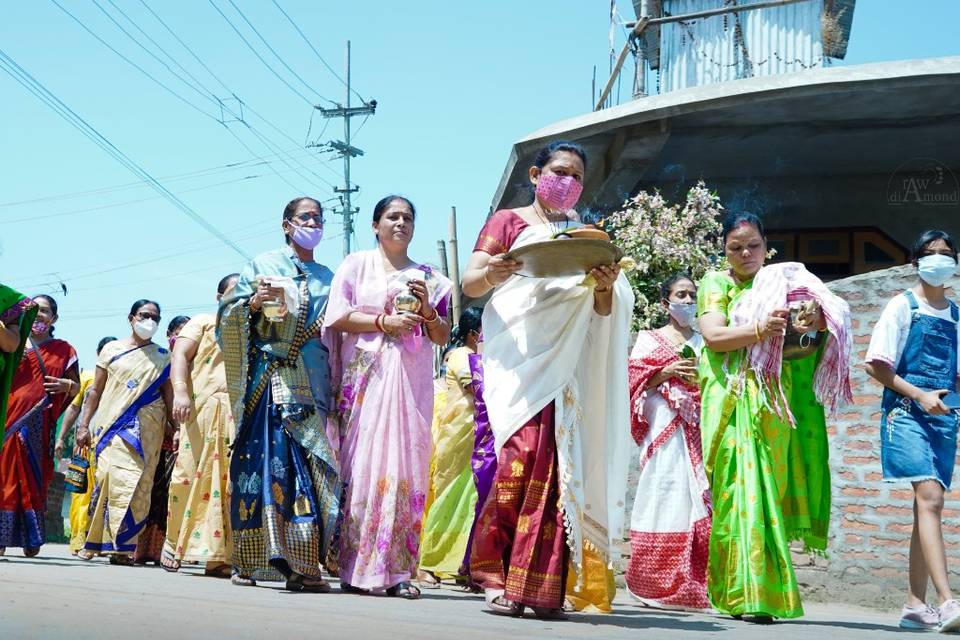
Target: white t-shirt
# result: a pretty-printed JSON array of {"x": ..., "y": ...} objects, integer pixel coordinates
[{"x": 890, "y": 333}]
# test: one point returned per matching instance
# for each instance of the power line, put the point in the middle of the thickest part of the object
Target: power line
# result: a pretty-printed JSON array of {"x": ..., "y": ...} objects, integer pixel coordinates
[
  {"x": 314, "y": 49},
  {"x": 212, "y": 97},
  {"x": 232, "y": 166},
  {"x": 134, "y": 64},
  {"x": 259, "y": 57},
  {"x": 62, "y": 214},
  {"x": 23, "y": 77},
  {"x": 277, "y": 55}
]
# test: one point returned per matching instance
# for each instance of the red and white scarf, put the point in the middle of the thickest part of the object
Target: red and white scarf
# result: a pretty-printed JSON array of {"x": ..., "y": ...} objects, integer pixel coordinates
[{"x": 774, "y": 287}]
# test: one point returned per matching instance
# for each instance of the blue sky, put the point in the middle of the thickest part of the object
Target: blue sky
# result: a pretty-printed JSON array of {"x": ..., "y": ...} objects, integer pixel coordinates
[{"x": 456, "y": 84}]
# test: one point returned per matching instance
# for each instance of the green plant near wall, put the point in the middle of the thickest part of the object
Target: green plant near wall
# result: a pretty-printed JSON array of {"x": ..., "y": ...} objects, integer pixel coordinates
[{"x": 665, "y": 239}]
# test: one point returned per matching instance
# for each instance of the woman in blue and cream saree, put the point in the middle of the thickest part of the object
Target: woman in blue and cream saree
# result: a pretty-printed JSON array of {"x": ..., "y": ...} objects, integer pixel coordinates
[
  {"x": 285, "y": 498},
  {"x": 125, "y": 416}
]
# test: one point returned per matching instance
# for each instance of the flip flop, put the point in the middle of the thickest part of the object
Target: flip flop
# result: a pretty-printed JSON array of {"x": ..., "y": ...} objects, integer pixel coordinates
[
  {"x": 299, "y": 582},
  {"x": 503, "y": 607},
  {"x": 427, "y": 580},
  {"x": 121, "y": 560},
  {"x": 239, "y": 581},
  {"x": 168, "y": 562},
  {"x": 349, "y": 588},
  {"x": 404, "y": 590}
]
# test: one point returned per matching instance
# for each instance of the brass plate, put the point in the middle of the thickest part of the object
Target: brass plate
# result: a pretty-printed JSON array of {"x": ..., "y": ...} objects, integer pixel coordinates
[{"x": 564, "y": 257}]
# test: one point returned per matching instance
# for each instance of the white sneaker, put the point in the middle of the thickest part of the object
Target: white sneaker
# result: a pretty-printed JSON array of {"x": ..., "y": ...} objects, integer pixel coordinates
[
  {"x": 919, "y": 617},
  {"x": 949, "y": 616}
]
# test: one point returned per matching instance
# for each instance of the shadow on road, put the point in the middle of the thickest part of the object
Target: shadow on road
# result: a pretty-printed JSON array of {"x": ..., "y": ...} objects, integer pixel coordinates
[
  {"x": 643, "y": 620},
  {"x": 860, "y": 626}
]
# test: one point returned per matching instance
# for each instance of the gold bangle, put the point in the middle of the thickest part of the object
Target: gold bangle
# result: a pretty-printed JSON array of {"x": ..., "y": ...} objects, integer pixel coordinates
[
  {"x": 756, "y": 330},
  {"x": 179, "y": 382},
  {"x": 487, "y": 279},
  {"x": 436, "y": 317}
]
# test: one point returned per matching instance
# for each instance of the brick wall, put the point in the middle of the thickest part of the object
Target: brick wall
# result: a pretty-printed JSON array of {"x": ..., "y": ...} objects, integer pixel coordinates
[{"x": 871, "y": 520}]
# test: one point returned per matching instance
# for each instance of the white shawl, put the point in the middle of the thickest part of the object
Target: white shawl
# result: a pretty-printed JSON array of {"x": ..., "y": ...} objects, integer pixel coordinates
[{"x": 544, "y": 343}]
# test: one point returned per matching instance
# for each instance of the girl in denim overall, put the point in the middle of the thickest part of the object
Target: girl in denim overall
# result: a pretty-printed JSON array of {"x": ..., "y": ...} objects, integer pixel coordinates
[{"x": 913, "y": 353}]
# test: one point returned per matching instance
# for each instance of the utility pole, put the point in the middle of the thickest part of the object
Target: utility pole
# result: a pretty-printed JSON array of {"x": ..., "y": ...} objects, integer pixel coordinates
[{"x": 346, "y": 151}]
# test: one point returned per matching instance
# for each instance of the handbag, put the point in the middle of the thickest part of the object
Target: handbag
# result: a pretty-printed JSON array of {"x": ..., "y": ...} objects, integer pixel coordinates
[{"x": 75, "y": 478}]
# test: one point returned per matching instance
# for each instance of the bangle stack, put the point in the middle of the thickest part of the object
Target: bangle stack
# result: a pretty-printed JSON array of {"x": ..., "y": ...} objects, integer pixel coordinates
[
  {"x": 436, "y": 317},
  {"x": 756, "y": 330},
  {"x": 378, "y": 323}
]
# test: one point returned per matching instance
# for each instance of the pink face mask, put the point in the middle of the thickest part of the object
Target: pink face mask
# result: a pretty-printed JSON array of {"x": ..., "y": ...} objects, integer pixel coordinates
[{"x": 558, "y": 193}]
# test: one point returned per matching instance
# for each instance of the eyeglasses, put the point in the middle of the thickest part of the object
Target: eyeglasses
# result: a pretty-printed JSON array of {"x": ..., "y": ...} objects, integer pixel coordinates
[
  {"x": 147, "y": 316},
  {"x": 307, "y": 217}
]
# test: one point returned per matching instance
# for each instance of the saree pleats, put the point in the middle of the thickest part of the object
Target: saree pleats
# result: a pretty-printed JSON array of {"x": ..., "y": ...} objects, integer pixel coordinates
[
  {"x": 523, "y": 550},
  {"x": 198, "y": 525}
]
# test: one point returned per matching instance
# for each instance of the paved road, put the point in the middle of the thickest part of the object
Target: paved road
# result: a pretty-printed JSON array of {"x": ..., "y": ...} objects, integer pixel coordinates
[{"x": 57, "y": 596}]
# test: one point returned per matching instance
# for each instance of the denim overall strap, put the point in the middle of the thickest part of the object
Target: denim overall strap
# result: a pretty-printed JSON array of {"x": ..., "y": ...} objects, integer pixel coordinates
[{"x": 929, "y": 359}]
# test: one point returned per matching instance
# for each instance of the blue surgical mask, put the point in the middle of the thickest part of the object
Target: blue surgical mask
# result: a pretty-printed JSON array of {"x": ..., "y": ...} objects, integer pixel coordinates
[{"x": 936, "y": 269}]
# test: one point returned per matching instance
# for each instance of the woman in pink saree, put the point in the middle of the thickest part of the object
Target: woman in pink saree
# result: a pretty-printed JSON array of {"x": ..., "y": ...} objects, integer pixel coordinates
[{"x": 384, "y": 314}]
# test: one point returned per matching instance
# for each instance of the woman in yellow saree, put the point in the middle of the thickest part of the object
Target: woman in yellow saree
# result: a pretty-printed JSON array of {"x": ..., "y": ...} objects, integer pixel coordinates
[
  {"x": 449, "y": 521},
  {"x": 131, "y": 399}
]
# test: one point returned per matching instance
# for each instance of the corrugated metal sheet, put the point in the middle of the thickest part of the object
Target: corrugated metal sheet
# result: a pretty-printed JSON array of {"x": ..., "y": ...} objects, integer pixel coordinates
[{"x": 775, "y": 40}]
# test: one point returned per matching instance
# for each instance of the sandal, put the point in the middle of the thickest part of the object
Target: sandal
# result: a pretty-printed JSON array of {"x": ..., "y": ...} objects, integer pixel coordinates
[
  {"x": 86, "y": 555},
  {"x": 31, "y": 552},
  {"x": 122, "y": 560},
  {"x": 349, "y": 588},
  {"x": 219, "y": 571},
  {"x": 503, "y": 607},
  {"x": 299, "y": 582},
  {"x": 428, "y": 580},
  {"x": 241, "y": 581},
  {"x": 404, "y": 590},
  {"x": 169, "y": 562},
  {"x": 547, "y": 613}
]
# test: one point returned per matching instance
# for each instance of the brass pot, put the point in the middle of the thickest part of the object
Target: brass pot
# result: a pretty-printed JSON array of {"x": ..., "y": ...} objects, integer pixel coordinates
[{"x": 406, "y": 302}]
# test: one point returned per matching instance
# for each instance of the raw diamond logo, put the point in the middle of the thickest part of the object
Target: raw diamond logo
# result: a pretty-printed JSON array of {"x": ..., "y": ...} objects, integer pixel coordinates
[{"x": 923, "y": 181}]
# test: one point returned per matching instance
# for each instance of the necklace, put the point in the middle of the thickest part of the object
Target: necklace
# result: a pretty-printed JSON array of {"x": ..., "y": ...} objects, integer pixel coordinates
[{"x": 553, "y": 226}]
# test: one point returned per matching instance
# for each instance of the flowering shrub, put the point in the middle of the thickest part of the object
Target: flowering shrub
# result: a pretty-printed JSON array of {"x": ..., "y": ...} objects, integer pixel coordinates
[{"x": 665, "y": 239}]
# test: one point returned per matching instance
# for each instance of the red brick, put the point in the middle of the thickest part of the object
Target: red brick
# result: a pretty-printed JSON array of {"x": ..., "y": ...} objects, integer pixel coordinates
[
  {"x": 853, "y": 508},
  {"x": 903, "y": 494},
  {"x": 887, "y": 510},
  {"x": 950, "y": 528},
  {"x": 864, "y": 430},
  {"x": 898, "y": 557},
  {"x": 849, "y": 476},
  {"x": 890, "y": 542},
  {"x": 855, "y": 323},
  {"x": 861, "y": 445},
  {"x": 873, "y": 476},
  {"x": 849, "y": 417},
  {"x": 889, "y": 572},
  {"x": 852, "y": 538},
  {"x": 860, "y": 492},
  {"x": 875, "y": 416},
  {"x": 897, "y": 527},
  {"x": 859, "y": 555},
  {"x": 860, "y": 525},
  {"x": 857, "y": 460},
  {"x": 865, "y": 400},
  {"x": 865, "y": 339},
  {"x": 832, "y": 431}
]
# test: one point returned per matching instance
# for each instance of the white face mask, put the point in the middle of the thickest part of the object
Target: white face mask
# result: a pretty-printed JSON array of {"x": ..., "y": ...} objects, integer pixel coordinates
[
  {"x": 145, "y": 328},
  {"x": 684, "y": 314}
]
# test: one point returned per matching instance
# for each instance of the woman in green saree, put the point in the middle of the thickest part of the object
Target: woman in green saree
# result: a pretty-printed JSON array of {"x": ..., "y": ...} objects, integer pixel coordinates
[
  {"x": 17, "y": 313},
  {"x": 769, "y": 479}
]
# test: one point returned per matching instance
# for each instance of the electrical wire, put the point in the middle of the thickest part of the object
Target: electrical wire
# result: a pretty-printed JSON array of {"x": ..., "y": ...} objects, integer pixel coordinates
[
  {"x": 203, "y": 91},
  {"x": 225, "y": 168},
  {"x": 277, "y": 55},
  {"x": 24, "y": 78},
  {"x": 260, "y": 57},
  {"x": 314, "y": 49}
]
